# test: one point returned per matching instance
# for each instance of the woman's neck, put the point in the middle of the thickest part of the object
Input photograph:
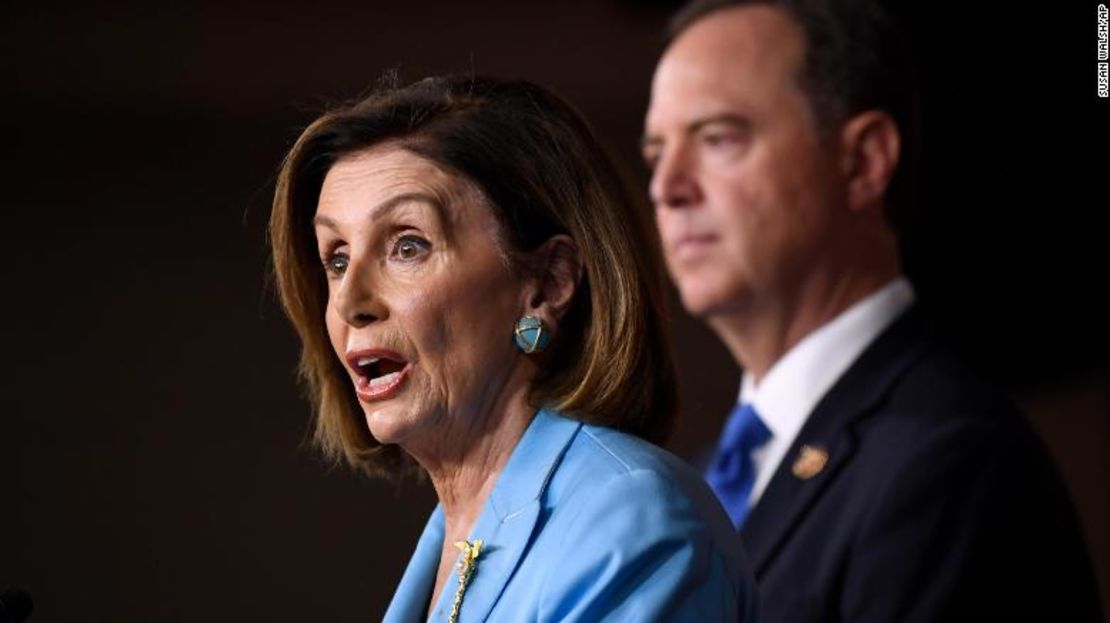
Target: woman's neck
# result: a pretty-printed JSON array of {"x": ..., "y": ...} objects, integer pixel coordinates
[
  {"x": 466, "y": 466},
  {"x": 465, "y": 473}
]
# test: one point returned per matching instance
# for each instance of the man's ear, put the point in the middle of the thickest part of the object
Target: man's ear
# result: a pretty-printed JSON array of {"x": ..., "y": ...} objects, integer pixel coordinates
[
  {"x": 557, "y": 271},
  {"x": 870, "y": 147}
]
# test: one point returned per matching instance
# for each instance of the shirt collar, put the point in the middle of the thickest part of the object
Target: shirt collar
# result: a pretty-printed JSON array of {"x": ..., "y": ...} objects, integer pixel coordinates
[{"x": 795, "y": 384}]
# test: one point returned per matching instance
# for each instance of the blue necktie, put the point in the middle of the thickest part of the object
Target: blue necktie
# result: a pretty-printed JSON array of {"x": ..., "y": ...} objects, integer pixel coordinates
[{"x": 731, "y": 475}]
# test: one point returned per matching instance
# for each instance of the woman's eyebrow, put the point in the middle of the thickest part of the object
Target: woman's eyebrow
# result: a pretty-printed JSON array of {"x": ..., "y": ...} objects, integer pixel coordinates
[{"x": 387, "y": 206}]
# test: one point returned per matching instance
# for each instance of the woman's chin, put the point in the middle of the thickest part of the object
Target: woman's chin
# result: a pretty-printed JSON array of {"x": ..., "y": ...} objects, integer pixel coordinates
[{"x": 385, "y": 425}]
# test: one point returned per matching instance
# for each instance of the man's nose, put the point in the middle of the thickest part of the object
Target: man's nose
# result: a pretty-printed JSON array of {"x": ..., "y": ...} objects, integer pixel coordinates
[{"x": 674, "y": 180}]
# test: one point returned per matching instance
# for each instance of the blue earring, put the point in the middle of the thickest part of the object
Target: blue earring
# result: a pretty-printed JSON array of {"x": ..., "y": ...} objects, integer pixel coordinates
[{"x": 531, "y": 335}]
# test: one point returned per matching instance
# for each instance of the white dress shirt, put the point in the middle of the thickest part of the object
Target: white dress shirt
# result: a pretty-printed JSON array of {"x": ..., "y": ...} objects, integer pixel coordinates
[{"x": 796, "y": 382}]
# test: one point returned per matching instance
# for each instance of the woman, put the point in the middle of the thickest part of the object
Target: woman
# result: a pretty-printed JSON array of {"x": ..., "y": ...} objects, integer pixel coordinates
[{"x": 478, "y": 296}]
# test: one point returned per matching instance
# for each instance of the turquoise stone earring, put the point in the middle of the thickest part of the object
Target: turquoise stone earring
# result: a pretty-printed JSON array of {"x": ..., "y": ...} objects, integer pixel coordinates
[{"x": 531, "y": 335}]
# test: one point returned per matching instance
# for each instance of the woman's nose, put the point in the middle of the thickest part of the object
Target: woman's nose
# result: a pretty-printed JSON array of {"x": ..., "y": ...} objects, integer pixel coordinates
[{"x": 357, "y": 298}]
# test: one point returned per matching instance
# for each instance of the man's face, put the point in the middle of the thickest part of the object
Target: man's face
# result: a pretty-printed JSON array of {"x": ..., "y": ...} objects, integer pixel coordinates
[{"x": 743, "y": 185}]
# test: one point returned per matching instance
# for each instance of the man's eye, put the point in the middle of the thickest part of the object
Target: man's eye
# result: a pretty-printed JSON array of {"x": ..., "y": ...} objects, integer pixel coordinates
[
  {"x": 718, "y": 138},
  {"x": 336, "y": 264},
  {"x": 408, "y": 248}
]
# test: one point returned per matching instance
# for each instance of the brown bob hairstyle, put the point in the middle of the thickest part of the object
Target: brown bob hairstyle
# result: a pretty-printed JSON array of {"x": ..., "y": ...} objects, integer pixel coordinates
[{"x": 543, "y": 172}]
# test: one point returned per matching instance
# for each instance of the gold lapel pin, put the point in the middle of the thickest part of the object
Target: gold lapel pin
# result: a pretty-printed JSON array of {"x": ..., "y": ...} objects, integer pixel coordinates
[{"x": 811, "y": 460}]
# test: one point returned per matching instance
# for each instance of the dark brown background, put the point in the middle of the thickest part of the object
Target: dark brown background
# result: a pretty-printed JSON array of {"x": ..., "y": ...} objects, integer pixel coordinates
[{"x": 153, "y": 462}]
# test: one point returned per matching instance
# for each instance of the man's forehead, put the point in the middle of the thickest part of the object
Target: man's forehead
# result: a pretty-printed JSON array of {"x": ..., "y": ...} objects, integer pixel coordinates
[
  {"x": 747, "y": 40},
  {"x": 723, "y": 60},
  {"x": 732, "y": 28},
  {"x": 684, "y": 93}
]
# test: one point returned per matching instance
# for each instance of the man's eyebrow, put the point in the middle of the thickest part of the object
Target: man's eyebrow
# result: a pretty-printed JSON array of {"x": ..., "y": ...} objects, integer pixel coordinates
[
  {"x": 725, "y": 118},
  {"x": 387, "y": 206},
  {"x": 733, "y": 119}
]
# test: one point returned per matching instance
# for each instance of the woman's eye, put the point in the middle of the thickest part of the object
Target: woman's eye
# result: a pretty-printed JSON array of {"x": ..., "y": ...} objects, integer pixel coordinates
[
  {"x": 336, "y": 264},
  {"x": 409, "y": 248}
]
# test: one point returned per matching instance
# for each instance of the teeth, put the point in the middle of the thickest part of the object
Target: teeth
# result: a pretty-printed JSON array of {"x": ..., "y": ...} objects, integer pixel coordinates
[
  {"x": 384, "y": 379},
  {"x": 366, "y": 361}
]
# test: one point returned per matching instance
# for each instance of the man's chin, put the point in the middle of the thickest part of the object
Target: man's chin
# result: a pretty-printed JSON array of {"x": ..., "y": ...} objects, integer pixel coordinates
[
  {"x": 706, "y": 304},
  {"x": 701, "y": 306},
  {"x": 696, "y": 295}
]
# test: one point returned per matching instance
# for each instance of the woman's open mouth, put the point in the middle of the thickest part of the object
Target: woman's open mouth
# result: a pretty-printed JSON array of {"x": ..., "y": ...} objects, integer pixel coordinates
[{"x": 379, "y": 374}]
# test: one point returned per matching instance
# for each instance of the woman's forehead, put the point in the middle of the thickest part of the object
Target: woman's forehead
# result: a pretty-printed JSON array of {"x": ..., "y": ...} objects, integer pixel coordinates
[
  {"x": 382, "y": 177},
  {"x": 385, "y": 170}
]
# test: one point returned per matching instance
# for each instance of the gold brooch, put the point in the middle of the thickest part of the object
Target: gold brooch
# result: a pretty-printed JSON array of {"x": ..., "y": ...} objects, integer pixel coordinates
[{"x": 467, "y": 565}]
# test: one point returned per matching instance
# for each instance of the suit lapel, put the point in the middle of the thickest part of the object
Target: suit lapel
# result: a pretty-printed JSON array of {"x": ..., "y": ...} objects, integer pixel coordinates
[
  {"x": 509, "y": 516},
  {"x": 787, "y": 498}
]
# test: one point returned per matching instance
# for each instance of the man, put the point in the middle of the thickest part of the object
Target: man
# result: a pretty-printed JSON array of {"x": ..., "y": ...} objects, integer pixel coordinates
[{"x": 871, "y": 478}]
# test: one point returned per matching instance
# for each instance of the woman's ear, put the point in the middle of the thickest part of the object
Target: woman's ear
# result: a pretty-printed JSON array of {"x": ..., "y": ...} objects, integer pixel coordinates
[
  {"x": 870, "y": 146},
  {"x": 557, "y": 271}
]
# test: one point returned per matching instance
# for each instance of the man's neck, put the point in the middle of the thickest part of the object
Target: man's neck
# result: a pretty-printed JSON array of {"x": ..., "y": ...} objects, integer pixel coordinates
[{"x": 762, "y": 334}]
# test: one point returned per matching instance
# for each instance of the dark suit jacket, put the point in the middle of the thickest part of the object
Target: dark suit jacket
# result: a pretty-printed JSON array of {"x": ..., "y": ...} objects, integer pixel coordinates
[{"x": 937, "y": 503}]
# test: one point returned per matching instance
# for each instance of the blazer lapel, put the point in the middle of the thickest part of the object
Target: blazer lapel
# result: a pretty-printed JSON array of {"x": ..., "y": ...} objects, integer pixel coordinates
[
  {"x": 787, "y": 498},
  {"x": 410, "y": 601},
  {"x": 509, "y": 516}
]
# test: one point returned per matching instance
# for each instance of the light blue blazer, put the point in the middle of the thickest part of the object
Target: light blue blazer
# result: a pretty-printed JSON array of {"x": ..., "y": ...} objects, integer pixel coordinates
[{"x": 586, "y": 523}]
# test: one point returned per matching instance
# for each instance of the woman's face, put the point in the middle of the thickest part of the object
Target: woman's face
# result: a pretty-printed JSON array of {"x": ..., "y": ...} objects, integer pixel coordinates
[{"x": 421, "y": 301}]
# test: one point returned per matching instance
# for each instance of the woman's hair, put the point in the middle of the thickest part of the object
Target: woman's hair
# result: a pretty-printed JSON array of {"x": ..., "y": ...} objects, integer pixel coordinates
[{"x": 543, "y": 173}]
